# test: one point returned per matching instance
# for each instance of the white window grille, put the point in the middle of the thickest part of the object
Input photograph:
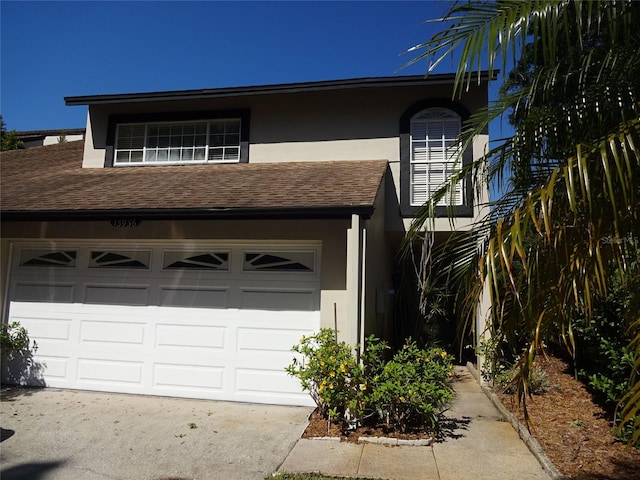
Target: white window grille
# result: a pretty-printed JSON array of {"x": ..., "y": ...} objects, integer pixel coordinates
[
  {"x": 212, "y": 141},
  {"x": 435, "y": 144},
  {"x": 279, "y": 261}
]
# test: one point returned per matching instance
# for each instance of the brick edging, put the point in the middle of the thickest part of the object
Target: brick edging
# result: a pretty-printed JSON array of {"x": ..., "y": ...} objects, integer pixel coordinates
[{"x": 424, "y": 442}]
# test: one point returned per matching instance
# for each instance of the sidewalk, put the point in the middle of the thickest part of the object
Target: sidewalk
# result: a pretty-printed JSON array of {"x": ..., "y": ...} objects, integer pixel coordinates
[{"x": 481, "y": 445}]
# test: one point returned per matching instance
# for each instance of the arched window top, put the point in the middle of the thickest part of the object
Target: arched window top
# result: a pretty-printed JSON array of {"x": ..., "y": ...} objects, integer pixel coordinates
[
  {"x": 436, "y": 114},
  {"x": 435, "y": 125}
]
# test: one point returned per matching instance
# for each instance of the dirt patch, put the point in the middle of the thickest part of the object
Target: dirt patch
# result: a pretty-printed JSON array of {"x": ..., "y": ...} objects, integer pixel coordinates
[
  {"x": 318, "y": 427},
  {"x": 574, "y": 431}
]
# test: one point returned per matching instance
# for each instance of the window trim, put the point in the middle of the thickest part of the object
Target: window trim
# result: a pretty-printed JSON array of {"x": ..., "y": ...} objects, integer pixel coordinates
[
  {"x": 168, "y": 117},
  {"x": 406, "y": 209}
]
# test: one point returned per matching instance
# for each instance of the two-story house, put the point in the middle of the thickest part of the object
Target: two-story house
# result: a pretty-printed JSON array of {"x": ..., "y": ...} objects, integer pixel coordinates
[{"x": 194, "y": 236}]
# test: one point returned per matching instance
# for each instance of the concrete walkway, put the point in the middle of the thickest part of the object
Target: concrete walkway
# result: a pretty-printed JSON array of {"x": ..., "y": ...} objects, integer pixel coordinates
[{"x": 478, "y": 445}]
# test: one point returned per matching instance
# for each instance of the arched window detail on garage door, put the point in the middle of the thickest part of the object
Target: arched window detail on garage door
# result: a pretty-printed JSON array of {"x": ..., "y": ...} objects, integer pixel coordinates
[
  {"x": 176, "y": 260},
  {"x": 119, "y": 259},
  {"x": 48, "y": 258},
  {"x": 279, "y": 262}
]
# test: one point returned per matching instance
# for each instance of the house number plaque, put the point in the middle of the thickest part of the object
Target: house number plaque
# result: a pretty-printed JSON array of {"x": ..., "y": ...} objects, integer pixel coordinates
[{"x": 125, "y": 222}]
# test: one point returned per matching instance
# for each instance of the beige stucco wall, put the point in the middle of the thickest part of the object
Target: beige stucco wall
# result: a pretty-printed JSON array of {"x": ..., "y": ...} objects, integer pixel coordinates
[
  {"x": 352, "y": 124},
  {"x": 331, "y": 234},
  {"x": 379, "y": 257}
]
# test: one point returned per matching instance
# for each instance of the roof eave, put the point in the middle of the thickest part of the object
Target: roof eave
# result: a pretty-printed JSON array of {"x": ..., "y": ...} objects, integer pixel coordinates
[
  {"x": 270, "y": 89},
  {"x": 252, "y": 213}
]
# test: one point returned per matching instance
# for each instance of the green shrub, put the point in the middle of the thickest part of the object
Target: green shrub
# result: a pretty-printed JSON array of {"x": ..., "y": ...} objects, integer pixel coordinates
[
  {"x": 13, "y": 338},
  {"x": 539, "y": 382},
  {"x": 331, "y": 374},
  {"x": 605, "y": 363},
  {"x": 604, "y": 360},
  {"x": 413, "y": 387}
]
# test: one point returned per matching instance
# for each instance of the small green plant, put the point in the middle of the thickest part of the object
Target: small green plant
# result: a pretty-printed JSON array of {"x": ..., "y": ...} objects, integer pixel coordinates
[
  {"x": 496, "y": 358},
  {"x": 414, "y": 387},
  {"x": 192, "y": 425},
  {"x": 539, "y": 381},
  {"x": 577, "y": 423},
  {"x": 13, "y": 338},
  {"x": 330, "y": 373}
]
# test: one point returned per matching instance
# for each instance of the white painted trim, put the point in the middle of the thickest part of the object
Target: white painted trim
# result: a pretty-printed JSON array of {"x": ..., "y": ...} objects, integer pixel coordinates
[
  {"x": 363, "y": 290},
  {"x": 354, "y": 280},
  {"x": 4, "y": 314}
]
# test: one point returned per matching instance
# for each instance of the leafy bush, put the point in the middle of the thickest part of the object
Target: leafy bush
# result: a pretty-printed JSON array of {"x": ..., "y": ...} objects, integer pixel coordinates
[
  {"x": 603, "y": 358},
  {"x": 13, "y": 338},
  {"x": 331, "y": 374},
  {"x": 605, "y": 363},
  {"x": 413, "y": 387}
]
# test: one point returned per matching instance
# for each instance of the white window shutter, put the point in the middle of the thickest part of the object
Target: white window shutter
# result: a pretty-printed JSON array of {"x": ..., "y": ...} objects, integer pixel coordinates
[{"x": 435, "y": 146}]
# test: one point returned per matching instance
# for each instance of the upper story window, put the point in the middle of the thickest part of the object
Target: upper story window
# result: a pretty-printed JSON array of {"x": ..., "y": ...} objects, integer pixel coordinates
[
  {"x": 430, "y": 154},
  {"x": 178, "y": 142},
  {"x": 435, "y": 145},
  {"x": 178, "y": 138}
]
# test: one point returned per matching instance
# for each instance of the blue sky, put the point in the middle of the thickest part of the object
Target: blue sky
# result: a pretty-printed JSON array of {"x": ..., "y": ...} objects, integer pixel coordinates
[{"x": 54, "y": 49}]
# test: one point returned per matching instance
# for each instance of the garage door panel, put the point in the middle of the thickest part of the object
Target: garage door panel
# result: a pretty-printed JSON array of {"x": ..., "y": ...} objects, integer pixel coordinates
[
  {"x": 194, "y": 316},
  {"x": 190, "y": 336},
  {"x": 57, "y": 369},
  {"x": 181, "y": 378},
  {"x": 252, "y": 382},
  {"x": 116, "y": 295},
  {"x": 113, "y": 332},
  {"x": 194, "y": 297},
  {"x": 38, "y": 292},
  {"x": 279, "y": 320},
  {"x": 252, "y": 339},
  {"x": 46, "y": 328},
  {"x": 95, "y": 370},
  {"x": 276, "y": 299}
]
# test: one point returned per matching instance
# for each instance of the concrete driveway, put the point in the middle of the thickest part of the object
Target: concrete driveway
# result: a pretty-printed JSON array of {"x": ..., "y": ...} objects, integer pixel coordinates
[{"x": 67, "y": 434}]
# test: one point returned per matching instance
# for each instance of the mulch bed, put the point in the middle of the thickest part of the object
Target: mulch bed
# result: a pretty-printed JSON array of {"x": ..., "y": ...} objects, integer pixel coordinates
[
  {"x": 318, "y": 428},
  {"x": 569, "y": 425},
  {"x": 574, "y": 431}
]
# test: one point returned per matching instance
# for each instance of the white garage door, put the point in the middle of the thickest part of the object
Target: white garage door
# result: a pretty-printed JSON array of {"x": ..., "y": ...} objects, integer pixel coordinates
[{"x": 199, "y": 321}]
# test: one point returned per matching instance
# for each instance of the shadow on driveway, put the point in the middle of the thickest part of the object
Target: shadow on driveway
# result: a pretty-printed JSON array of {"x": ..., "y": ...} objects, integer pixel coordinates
[
  {"x": 5, "y": 434},
  {"x": 28, "y": 471}
]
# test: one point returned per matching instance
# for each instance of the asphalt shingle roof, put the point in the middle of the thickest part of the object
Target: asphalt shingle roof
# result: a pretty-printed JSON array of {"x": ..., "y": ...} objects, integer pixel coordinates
[{"x": 49, "y": 179}]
